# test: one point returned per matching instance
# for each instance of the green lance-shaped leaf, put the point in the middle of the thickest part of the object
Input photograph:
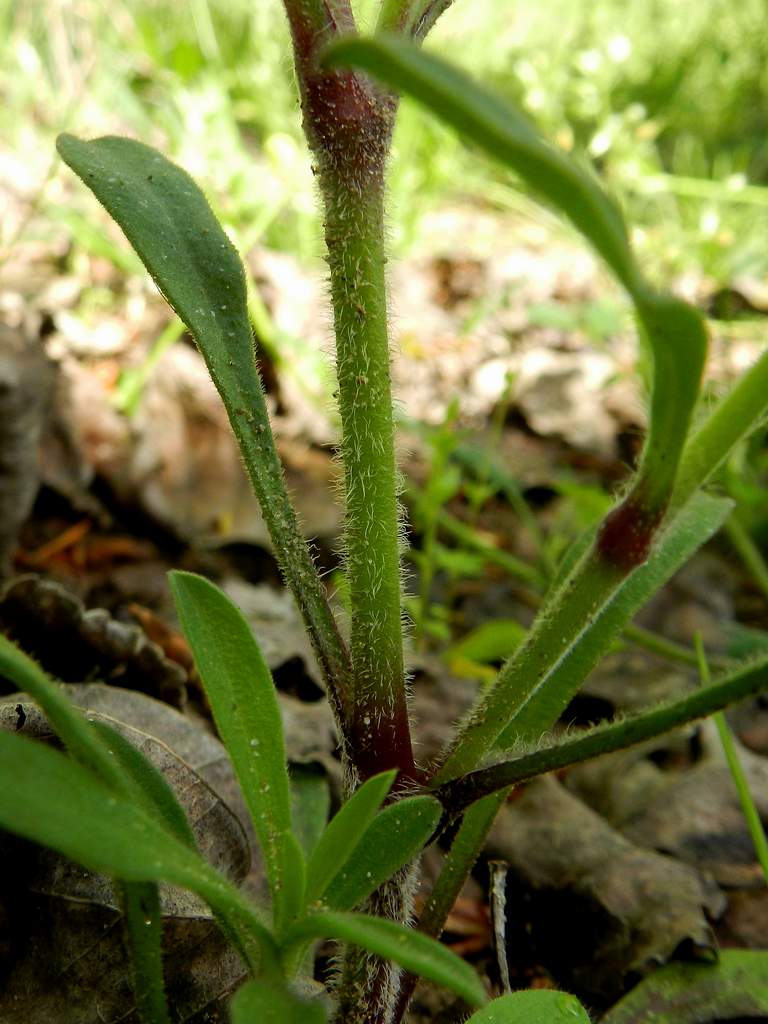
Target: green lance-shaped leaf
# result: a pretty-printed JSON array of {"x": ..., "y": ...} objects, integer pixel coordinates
[
  {"x": 344, "y": 832},
  {"x": 692, "y": 526},
  {"x": 734, "y": 988},
  {"x": 96, "y": 744},
  {"x": 121, "y": 767},
  {"x": 244, "y": 704},
  {"x": 394, "y": 837},
  {"x": 729, "y": 688},
  {"x": 535, "y": 1006},
  {"x": 739, "y": 412},
  {"x": 259, "y": 1002},
  {"x": 581, "y": 621},
  {"x": 52, "y": 800},
  {"x": 168, "y": 221},
  {"x": 415, "y": 952}
]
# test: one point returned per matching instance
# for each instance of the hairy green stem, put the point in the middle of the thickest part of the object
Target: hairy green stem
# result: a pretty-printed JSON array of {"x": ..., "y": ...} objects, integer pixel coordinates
[
  {"x": 354, "y": 234},
  {"x": 348, "y": 123}
]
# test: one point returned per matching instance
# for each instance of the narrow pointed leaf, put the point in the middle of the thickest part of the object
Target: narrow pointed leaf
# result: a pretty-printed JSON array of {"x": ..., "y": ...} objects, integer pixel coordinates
[
  {"x": 95, "y": 744},
  {"x": 692, "y": 526},
  {"x": 168, "y": 221},
  {"x": 415, "y": 952},
  {"x": 394, "y": 837},
  {"x": 535, "y": 686},
  {"x": 52, "y": 800},
  {"x": 739, "y": 412},
  {"x": 535, "y": 1006},
  {"x": 344, "y": 832},
  {"x": 244, "y": 703},
  {"x": 729, "y": 688},
  {"x": 258, "y": 1002}
]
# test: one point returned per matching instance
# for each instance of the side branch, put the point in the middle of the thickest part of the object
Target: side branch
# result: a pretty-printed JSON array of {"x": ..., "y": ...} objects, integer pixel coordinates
[{"x": 458, "y": 795}]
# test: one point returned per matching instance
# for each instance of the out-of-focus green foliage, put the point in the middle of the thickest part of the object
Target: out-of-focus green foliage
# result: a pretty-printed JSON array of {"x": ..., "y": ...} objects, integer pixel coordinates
[{"x": 644, "y": 90}]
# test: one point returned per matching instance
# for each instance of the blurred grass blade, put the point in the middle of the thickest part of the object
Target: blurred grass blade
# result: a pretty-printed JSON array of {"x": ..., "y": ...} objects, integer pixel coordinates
[
  {"x": 487, "y": 643},
  {"x": 417, "y": 953},
  {"x": 140, "y": 903},
  {"x": 168, "y": 221},
  {"x": 535, "y": 1006},
  {"x": 748, "y": 809},
  {"x": 344, "y": 832},
  {"x": 244, "y": 703},
  {"x": 52, "y": 800},
  {"x": 259, "y": 1002},
  {"x": 500, "y": 130},
  {"x": 394, "y": 837}
]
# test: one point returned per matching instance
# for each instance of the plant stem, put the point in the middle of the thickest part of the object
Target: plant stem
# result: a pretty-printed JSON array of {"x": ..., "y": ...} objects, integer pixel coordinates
[
  {"x": 354, "y": 234},
  {"x": 348, "y": 123},
  {"x": 140, "y": 903},
  {"x": 411, "y": 17}
]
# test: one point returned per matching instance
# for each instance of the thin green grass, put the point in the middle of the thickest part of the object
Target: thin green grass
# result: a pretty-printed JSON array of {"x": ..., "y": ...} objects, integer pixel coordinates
[{"x": 750, "y": 812}]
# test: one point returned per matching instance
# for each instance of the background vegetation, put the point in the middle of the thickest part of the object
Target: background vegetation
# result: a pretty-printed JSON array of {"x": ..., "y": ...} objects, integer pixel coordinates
[{"x": 670, "y": 99}]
